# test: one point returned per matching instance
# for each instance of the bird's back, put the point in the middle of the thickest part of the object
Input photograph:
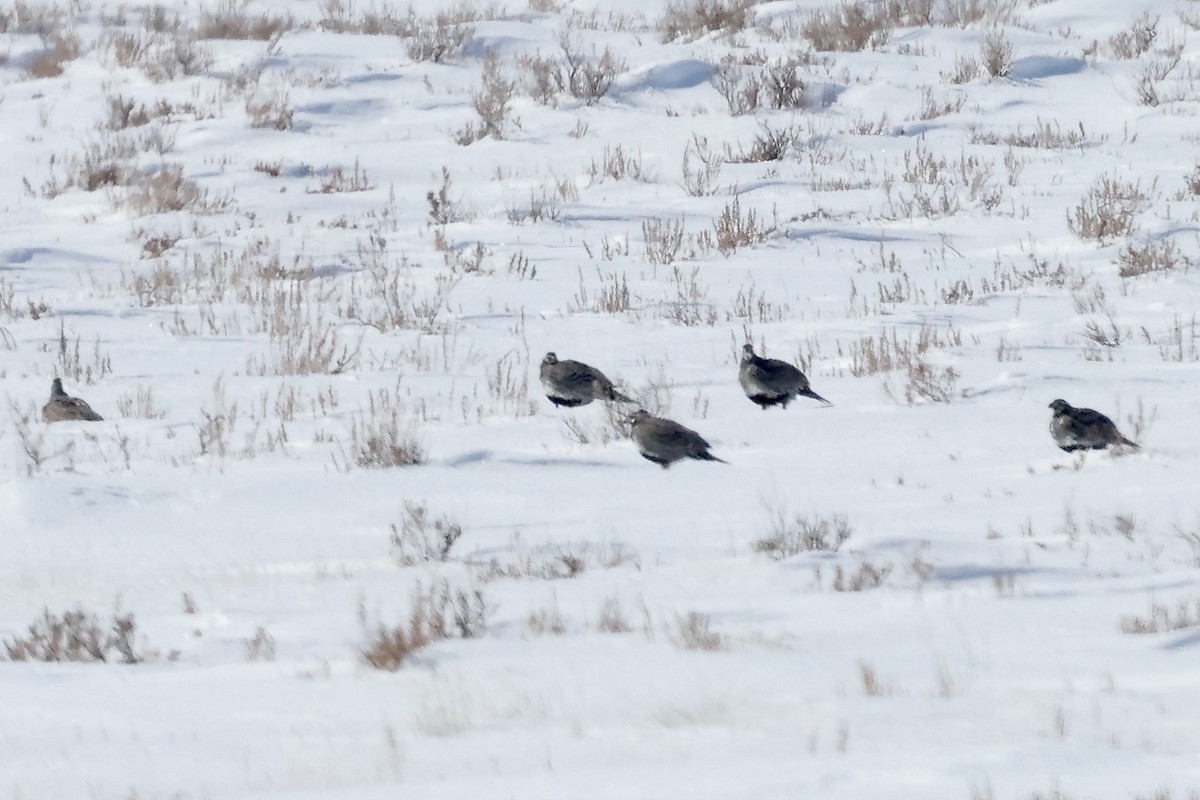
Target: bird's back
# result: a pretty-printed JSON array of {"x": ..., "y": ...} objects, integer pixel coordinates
[
  {"x": 63, "y": 408},
  {"x": 1084, "y": 428},
  {"x": 770, "y": 374},
  {"x": 570, "y": 375}
]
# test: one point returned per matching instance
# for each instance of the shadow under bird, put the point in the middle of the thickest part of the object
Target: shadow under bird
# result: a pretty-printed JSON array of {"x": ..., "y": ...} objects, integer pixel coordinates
[
  {"x": 1083, "y": 429},
  {"x": 665, "y": 441},
  {"x": 769, "y": 381},
  {"x": 62, "y": 407},
  {"x": 573, "y": 383}
]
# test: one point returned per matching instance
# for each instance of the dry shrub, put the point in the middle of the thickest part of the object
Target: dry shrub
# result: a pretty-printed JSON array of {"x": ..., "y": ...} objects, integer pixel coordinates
[
  {"x": 541, "y": 206},
  {"x": 420, "y": 538},
  {"x": 926, "y": 383},
  {"x": 231, "y": 20},
  {"x": 612, "y": 296},
  {"x": 1153, "y": 72},
  {"x": 554, "y": 562},
  {"x": 770, "y": 144},
  {"x": 966, "y": 13},
  {"x": 60, "y": 49},
  {"x": 1109, "y": 209},
  {"x": 436, "y": 38},
  {"x": 126, "y": 49},
  {"x": 733, "y": 228},
  {"x": 437, "y": 614},
  {"x": 338, "y": 16},
  {"x": 932, "y": 107},
  {"x": 586, "y": 78},
  {"x": 140, "y": 405},
  {"x": 167, "y": 190},
  {"x": 382, "y": 294},
  {"x": 1136, "y": 40},
  {"x": 688, "y": 20},
  {"x": 125, "y": 112},
  {"x": 443, "y": 210},
  {"x": 776, "y": 85},
  {"x": 273, "y": 111},
  {"x": 441, "y": 37},
  {"x": 301, "y": 344},
  {"x": 99, "y": 166},
  {"x": 71, "y": 360},
  {"x": 492, "y": 103},
  {"x": 1150, "y": 255},
  {"x": 336, "y": 180},
  {"x": 850, "y": 27},
  {"x": 77, "y": 636},
  {"x": 662, "y": 239},
  {"x": 14, "y": 309},
  {"x": 693, "y": 632},
  {"x": 1159, "y": 618},
  {"x": 40, "y": 19},
  {"x": 687, "y": 300},
  {"x": 861, "y": 24},
  {"x": 1048, "y": 136},
  {"x": 966, "y": 69},
  {"x": 700, "y": 180},
  {"x": 935, "y": 186},
  {"x": 546, "y": 621},
  {"x": 871, "y": 683},
  {"x": 612, "y": 617},
  {"x": 1182, "y": 344},
  {"x": 261, "y": 646},
  {"x": 803, "y": 534},
  {"x": 617, "y": 165},
  {"x": 164, "y": 58},
  {"x": 867, "y": 576},
  {"x": 382, "y": 441},
  {"x": 1192, "y": 181},
  {"x": 996, "y": 54}
]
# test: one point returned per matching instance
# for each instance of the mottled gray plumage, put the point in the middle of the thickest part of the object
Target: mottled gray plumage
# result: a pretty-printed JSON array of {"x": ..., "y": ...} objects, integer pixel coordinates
[
  {"x": 63, "y": 407},
  {"x": 573, "y": 383},
  {"x": 769, "y": 381},
  {"x": 665, "y": 441},
  {"x": 1083, "y": 428}
]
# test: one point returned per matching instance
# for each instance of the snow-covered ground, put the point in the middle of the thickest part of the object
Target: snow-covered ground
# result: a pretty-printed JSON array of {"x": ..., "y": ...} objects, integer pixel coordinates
[{"x": 275, "y": 243}]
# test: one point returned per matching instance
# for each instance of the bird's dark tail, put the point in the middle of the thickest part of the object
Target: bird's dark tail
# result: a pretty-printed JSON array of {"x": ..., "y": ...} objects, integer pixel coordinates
[
  {"x": 814, "y": 396},
  {"x": 617, "y": 397},
  {"x": 707, "y": 456},
  {"x": 1132, "y": 445}
]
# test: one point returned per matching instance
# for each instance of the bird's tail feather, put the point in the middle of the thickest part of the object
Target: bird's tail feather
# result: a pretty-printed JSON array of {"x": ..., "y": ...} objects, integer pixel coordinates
[{"x": 814, "y": 396}]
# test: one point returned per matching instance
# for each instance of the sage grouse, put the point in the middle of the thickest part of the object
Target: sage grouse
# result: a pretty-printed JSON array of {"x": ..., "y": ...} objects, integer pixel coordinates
[
  {"x": 573, "y": 383},
  {"x": 665, "y": 441},
  {"x": 769, "y": 381},
  {"x": 1083, "y": 428},
  {"x": 63, "y": 407}
]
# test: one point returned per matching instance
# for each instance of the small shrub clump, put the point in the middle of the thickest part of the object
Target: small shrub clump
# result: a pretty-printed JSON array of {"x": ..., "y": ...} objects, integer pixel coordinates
[
  {"x": 77, "y": 636},
  {"x": 437, "y": 614}
]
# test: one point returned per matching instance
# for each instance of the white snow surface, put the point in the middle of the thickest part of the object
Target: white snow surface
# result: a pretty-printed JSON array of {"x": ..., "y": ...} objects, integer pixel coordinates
[{"x": 221, "y": 505}]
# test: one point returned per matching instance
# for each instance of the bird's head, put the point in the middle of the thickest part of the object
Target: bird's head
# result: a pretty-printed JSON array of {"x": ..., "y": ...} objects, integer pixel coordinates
[
  {"x": 1060, "y": 406},
  {"x": 638, "y": 416},
  {"x": 747, "y": 352},
  {"x": 550, "y": 358}
]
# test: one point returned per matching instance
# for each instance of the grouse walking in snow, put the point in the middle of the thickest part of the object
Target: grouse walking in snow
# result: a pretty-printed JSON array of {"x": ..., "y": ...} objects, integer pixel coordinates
[
  {"x": 1083, "y": 428},
  {"x": 665, "y": 441},
  {"x": 63, "y": 407},
  {"x": 573, "y": 383},
  {"x": 769, "y": 381}
]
